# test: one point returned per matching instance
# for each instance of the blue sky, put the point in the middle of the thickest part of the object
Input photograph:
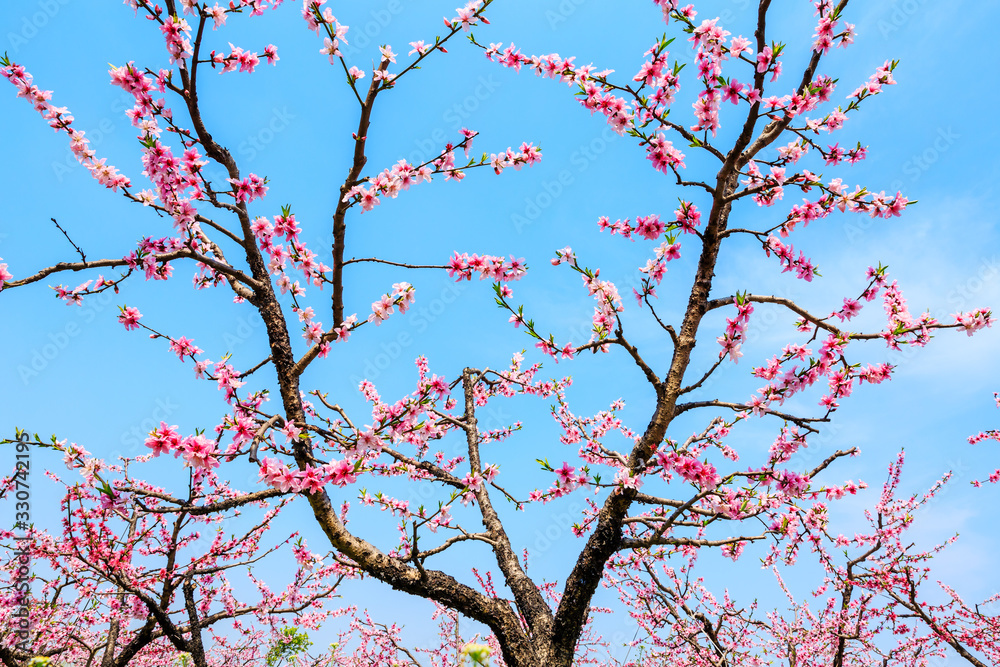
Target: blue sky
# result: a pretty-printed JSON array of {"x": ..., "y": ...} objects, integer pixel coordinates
[{"x": 77, "y": 373}]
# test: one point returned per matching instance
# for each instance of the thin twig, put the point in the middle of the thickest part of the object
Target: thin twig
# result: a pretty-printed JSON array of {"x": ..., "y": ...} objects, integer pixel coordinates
[{"x": 82, "y": 256}]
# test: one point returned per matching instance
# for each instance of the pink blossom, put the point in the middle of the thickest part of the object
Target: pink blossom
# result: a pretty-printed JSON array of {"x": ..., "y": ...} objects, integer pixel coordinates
[
  {"x": 311, "y": 480},
  {"x": 129, "y": 317},
  {"x": 163, "y": 439},
  {"x": 184, "y": 347},
  {"x": 291, "y": 431},
  {"x": 199, "y": 452},
  {"x": 341, "y": 472},
  {"x": 387, "y": 54}
]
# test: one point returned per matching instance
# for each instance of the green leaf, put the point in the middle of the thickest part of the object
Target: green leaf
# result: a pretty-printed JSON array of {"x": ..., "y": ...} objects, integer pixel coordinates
[{"x": 292, "y": 642}]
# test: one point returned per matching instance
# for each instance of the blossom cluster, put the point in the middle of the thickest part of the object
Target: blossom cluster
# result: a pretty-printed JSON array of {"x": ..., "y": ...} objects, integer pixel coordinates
[
  {"x": 594, "y": 94},
  {"x": 177, "y": 181},
  {"x": 827, "y": 31},
  {"x": 177, "y": 32},
  {"x": 663, "y": 155},
  {"x": 311, "y": 480},
  {"x": 587, "y": 431},
  {"x": 649, "y": 227},
  {"x": 495, "y": 268},
  {"x": 293, "y": 251},
  {"x": 829, "y": 362},
  {"x": 391, "y": 181},
  {"x": 609, "y": 304},
  {"x": 975, "y": 320},
  {"x": 59, "y": 118},
  {"x": 881, "y": 77},
  {"x": 802, "y": 266},
  {"x": 709, "y": 41},
  {"x": 319, "y": 18},
  {"x": 401, "y": 297},
  {"x": 197, "y": 450},
  {"x": 466, "y": 16},
  {"x": 243, "y": 60},
  {"x": 736, "y": 327}
]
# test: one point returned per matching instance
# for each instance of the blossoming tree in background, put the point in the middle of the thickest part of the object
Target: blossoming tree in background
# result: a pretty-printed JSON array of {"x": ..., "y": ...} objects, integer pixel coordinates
[
  {"x": 655, "y": 497},
  {"x": 138, "y": 576}
]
